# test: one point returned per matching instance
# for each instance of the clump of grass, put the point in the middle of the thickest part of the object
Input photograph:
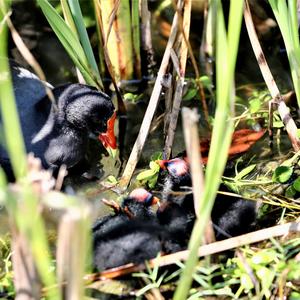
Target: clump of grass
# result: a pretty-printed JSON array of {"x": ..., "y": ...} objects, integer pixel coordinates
[{"x": 286, "y": 16}]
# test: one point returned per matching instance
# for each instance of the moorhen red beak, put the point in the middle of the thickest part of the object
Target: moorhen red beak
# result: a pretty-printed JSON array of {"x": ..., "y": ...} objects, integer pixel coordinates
[{"x": 108, "y": 139}]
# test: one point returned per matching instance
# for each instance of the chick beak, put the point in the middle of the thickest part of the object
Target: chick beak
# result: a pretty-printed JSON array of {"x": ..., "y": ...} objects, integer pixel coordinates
[
  {"x": 162, "y": 163},
  {"x": 108, "y": 139},
  {"x": 156, "y": 200}
]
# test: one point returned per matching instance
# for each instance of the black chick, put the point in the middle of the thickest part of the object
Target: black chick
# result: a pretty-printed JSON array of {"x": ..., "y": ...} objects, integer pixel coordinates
[
  {"x": 57, "y": 136},
  {"x": 136, "y": 206},
  {"x": 177, "y": 223},
  {"x": 130, "y": 236},
  {"x": 230, "y": 216}
]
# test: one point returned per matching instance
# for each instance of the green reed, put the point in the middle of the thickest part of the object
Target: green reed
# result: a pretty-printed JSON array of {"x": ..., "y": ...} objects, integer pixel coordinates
[{"x": 226, "y": 53}]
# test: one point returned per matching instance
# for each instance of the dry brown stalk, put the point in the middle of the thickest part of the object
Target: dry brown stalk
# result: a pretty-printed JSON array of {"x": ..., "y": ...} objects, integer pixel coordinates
[
  {"x": 71, "y": 252},
  {"x": 283, "y": 110},
  {"x": 180, "y": 66},
  {"x": 153, "y": 102},
  {"x": 182, "y": 25},
  {"x": 26, "y": 279},
  {"x": 190, "y": 129}
]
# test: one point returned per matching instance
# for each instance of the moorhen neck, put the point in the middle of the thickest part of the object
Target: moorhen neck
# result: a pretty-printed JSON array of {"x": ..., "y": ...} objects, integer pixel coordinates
[{"x": 59, "y": 136}]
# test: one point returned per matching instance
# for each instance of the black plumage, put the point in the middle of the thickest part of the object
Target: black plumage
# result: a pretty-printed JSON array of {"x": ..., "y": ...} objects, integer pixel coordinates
[
  {"x": 57, "y": 136},
  {"x": 131, "y": 241},
  {"x": 230, "y": 216},
  {"x": 131, "y": 235}
]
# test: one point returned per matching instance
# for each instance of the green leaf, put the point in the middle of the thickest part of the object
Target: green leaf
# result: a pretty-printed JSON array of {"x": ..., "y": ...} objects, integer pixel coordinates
[
  {"x": 255, "y": 105},
  {"x": 282, "y": 174},
  {"x": 296, "y": 184},
  {"x": 145, "y": 175},
  {"x": 290, "y": 192},
  {"x": 245, "y": 172},
  {"x": 264, "y": 257},
  {"x": 278, "y": 124},
  {"x": 154, "y": 166},
  {"x": 112, "y": 179},
  {"x": 246, "y": 282},
  {"x": 84, "y": 38},
  {"x": 205, "y": 80},
  {"x": 190, "y": 94},
  {"x": 69, "y": 41}
]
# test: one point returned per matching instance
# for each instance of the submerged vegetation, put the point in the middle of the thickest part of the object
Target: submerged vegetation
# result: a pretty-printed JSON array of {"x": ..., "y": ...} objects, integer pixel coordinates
[{"x": 48, "y": 251}]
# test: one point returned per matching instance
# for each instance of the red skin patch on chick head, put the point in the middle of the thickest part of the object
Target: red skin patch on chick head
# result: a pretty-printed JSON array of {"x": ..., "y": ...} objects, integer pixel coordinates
[{"x": 141, "y": 195}]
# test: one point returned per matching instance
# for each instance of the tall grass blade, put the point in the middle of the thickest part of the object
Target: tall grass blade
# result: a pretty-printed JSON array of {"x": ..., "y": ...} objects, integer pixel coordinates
[
  {"x": 12, "y": 129},
  {"x": 286, "y": 16},
  {"x": 84, "y": 38},
  {"x": 136, "y": 38},
  {"x": 69, "y": 41},
  {"x": 25, "y": 210},
  {"x": 226, "y": 52},
  {"x": 68, "y": 15}
]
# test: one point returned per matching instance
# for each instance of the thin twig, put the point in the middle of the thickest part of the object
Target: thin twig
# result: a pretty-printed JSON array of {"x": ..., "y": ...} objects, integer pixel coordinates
[
  {"x": 153, "y": 102},
  {"x": 25, "y": 52},
  {"x": 182, "y": 25},
  {"x": 180, "y": 66},
  {"x": 283, "y": 110}
]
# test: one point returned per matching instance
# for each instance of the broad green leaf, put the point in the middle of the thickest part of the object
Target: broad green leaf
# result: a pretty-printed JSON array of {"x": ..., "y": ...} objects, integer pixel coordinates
[
  {"x": 112, "y": 179},
  {"x": 190, "y": 94},
  {"x": 255, "y": 105},
  {"x": 278, "y": 124},
  {"x": 154, "y": 166},
  {"x": 296, "y": 184},
  {"x": 266, "y": 277},
  {"x": 264, "y": 257},
  {"x": 145, "y": 174},
  {"x": 246, "y": 282},
  {"x": 282, "y": 174},
  {"x": 205, "y": 80}
]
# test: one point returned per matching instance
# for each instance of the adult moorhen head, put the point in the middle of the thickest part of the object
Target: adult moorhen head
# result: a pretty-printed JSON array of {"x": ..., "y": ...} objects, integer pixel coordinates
[
  {"x": 59, "y": 135},
  {"x": 230, "y": 216}
]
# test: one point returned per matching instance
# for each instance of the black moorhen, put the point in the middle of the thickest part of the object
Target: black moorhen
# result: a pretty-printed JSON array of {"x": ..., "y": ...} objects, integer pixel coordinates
[
  {"x": 230, "y": 216},
  {"x": 135, "y": 206},
  {"x": 59, "y": 136},
  {"x": 132, "y": 235}
]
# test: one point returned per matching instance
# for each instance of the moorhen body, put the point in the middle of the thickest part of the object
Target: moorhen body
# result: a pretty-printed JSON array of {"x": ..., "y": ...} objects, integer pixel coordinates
[
  {"x": 131, "y": 235},
  {"x": 230, "y": 216},
  {"x": 58, "y": 136}
]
